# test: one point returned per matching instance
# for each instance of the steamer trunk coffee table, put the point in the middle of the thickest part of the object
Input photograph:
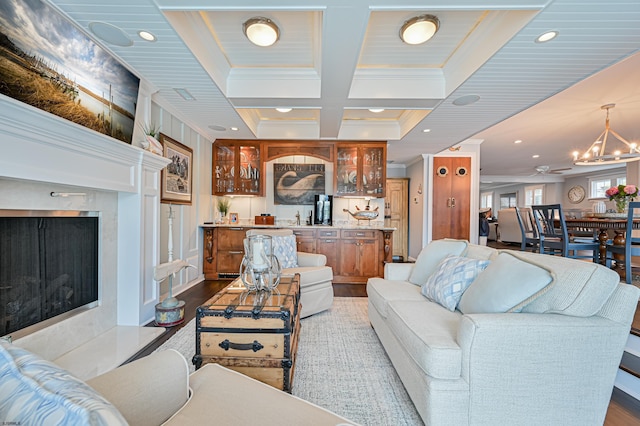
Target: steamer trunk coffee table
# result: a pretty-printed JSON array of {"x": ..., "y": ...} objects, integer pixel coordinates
[{"x": 254, "y": 333}]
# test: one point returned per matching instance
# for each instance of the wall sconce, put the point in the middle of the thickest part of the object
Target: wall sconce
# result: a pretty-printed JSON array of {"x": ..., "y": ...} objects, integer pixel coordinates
[{"x": 67, "y": 194}]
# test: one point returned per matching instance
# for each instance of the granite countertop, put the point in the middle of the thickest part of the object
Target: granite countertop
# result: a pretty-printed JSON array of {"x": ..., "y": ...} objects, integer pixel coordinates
[{"x": 375, "y": 226}]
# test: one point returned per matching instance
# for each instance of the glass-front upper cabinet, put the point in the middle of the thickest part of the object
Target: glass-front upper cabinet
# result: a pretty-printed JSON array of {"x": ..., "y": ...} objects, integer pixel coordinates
[
  {"x": 237, "y": 168},
  {"x": 361, "y": 169}
]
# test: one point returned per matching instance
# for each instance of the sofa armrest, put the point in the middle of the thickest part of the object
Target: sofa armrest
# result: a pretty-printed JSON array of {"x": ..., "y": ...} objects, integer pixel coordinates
[
  {"x": 523, "y": 359},
  {"x": 311, "y": 259},
  {"x": 147, "y": 391},
  {"x": 398, "y": 271}
]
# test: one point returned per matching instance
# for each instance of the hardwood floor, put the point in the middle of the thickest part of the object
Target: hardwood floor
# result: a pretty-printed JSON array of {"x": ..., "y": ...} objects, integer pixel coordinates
[{"x": 623, "y": 409}]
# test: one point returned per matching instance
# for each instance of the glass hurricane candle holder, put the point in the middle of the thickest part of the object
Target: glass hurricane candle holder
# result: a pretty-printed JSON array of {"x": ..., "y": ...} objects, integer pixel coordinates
[{"x": 260, "y": 269}]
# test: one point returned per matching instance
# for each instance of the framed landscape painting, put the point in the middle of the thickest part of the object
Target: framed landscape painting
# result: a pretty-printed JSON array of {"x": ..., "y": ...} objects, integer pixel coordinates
[
  {"x": 48, "y": 63},
  {"x": 177, "y": 177}
]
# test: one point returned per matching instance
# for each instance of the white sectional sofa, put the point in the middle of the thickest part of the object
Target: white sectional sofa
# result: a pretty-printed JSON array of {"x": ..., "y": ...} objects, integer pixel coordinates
[
  {"x": 532, "y": 339},
  {"x": 154, "y": 390}
]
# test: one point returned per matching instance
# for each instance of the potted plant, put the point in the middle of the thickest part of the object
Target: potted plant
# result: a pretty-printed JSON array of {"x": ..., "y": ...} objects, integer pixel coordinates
[
  {"x": 151, "y": 142},
  {"x": 224, "y": 204}
]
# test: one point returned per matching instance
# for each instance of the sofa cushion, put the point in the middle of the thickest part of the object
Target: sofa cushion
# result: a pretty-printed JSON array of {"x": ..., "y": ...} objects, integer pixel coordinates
[
  {"x": 381, "y": 291},
  {"x": 580, "y": 289},
  {"x": 286, "y": 250},
  {"x": 430, "y": 257},
  {"x": 225, "y": 397},
  {"x": 427, "y": 331},
  {"x": 451, "y": 278},
  {"x": 475, "y": 251},
  {"x": 506, "y": 285},
  {"x": 35, "y": 391}
]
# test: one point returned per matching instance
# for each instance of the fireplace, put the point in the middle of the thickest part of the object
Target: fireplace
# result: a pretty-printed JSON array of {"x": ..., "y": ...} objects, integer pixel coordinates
[{"x": 48, "y": 267}]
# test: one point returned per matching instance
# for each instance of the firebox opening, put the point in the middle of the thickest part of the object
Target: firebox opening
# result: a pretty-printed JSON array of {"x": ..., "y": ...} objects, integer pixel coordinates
[{"x": 48, "y": 267}]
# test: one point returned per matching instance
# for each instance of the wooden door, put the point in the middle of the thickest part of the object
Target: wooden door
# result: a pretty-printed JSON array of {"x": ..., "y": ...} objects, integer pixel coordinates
[
  {"x": 349, "y": 257},
  {"x": 451, "y": 197},
  {"x": 305, "y": 240},
  {"x": 368, "y": 251},
  {"x": 397, "y": 215},
  {"x": 327, "y": 244},
  {"x": 230, "y": 249}
]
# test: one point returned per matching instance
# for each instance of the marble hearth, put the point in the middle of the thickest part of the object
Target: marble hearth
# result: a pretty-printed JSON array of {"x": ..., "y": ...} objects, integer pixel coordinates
[{"x": 42, "y": 154}]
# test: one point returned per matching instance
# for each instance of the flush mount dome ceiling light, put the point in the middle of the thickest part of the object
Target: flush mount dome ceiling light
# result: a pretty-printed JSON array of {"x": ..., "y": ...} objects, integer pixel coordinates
[
  {"x": 261, "y": 31},
  {"x": 419, "y": 29}
]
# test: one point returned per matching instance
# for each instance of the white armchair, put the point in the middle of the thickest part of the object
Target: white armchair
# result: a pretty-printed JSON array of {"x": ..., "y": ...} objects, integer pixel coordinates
[{"x": 316, "y": 278}]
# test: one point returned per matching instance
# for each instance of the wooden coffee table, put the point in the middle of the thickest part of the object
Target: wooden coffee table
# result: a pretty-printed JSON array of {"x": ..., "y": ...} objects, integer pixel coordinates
[{"x": 254, "y": 333}]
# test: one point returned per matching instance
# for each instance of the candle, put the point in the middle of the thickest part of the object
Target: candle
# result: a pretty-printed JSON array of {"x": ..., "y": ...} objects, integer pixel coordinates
[{"x": 257, "y": 254}]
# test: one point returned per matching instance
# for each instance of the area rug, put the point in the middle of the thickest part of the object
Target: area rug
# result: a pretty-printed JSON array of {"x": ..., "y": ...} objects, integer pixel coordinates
[{"x": 341, "y": 366}]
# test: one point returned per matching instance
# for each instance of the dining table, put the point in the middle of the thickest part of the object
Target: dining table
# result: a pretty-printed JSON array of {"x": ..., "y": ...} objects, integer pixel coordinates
[{"x": 603, "y": 223}]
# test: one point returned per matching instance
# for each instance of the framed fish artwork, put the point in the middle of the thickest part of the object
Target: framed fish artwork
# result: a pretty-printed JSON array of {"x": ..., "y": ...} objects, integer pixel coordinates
[{"x": 297, "y": 184}]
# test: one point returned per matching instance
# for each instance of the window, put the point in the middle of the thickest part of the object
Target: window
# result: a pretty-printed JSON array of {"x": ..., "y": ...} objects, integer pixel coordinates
[
  {"x": 598, "y": 186},
  {"x": 533, "y": 195},
  {"x": 508, "y": 200},
  {"x": 486, "y": 200}
]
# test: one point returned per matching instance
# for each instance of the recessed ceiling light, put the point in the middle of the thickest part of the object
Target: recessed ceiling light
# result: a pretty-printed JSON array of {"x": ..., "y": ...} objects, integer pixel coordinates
[
  {"x": 426, "y": 130},
  {"x": 217, "y": 128},
  {"x": 548, "y": 36},
  {"x": 261, "y": 31},
  {"x": 110, "y": 33},
  {"x": 376, "y": 110},
  {"x": 419, "y": 29},
  {"x": 146, "y": 36},
  {"x": 466, "y": 100},
  {"x": 517, "y": 141},
  {"x": 185, "y": 94},
  {"x": 283, "y": 110},
  {"x": 235, "y": 129},
  {"x": 535, "y": 156}
]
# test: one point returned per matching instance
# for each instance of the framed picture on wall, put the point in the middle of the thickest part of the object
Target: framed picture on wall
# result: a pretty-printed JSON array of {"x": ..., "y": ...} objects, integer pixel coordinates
[
  {"x": 297, "y": 184},
  {"x": 177, "y": 177},
  {"x": 233, "y": 218}
]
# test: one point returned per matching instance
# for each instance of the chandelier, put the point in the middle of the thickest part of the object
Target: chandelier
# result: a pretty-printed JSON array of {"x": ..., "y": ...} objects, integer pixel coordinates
[{"x": 596, "y": 153}]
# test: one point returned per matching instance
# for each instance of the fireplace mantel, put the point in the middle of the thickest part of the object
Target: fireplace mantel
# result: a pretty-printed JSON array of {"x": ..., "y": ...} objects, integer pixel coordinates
[{"x": 41, "y": 151}]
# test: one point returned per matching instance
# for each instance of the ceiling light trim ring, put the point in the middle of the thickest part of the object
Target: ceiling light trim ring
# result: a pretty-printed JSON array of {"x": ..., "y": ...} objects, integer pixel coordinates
[
  {"x": 419, "y": 29},
  {"x": 595, "y": 155},
  {"x": 147, "y": 36},
  {"x": 261, "y": 31},
  {"x": 547, "y": 36}
]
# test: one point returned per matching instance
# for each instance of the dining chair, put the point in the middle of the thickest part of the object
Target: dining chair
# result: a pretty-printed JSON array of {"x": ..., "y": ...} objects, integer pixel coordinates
[
  {"x": 555, "y": 239},
  {"x": 631, "y": 247},
  {"x": 528, "y": 229}
]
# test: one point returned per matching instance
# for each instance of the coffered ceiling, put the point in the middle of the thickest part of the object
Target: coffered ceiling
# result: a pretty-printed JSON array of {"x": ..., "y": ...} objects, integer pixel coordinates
[{"x": 335, "y": 60}]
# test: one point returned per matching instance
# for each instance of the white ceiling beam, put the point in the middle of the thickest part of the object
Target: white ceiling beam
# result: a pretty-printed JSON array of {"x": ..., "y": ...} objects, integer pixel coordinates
[{"x": 343, "y": 31}]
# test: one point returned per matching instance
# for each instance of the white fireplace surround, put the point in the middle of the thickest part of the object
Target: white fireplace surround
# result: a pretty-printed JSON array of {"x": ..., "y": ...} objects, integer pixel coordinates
[{"x": 40, "y": 154}]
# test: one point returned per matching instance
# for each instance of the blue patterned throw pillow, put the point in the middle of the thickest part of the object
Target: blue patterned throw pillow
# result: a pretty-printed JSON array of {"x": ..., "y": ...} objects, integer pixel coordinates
[
  {"x": 286, "y": 250},
  {"x": 452, "y": 277},
  {"x": 38, "y": 392}
]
